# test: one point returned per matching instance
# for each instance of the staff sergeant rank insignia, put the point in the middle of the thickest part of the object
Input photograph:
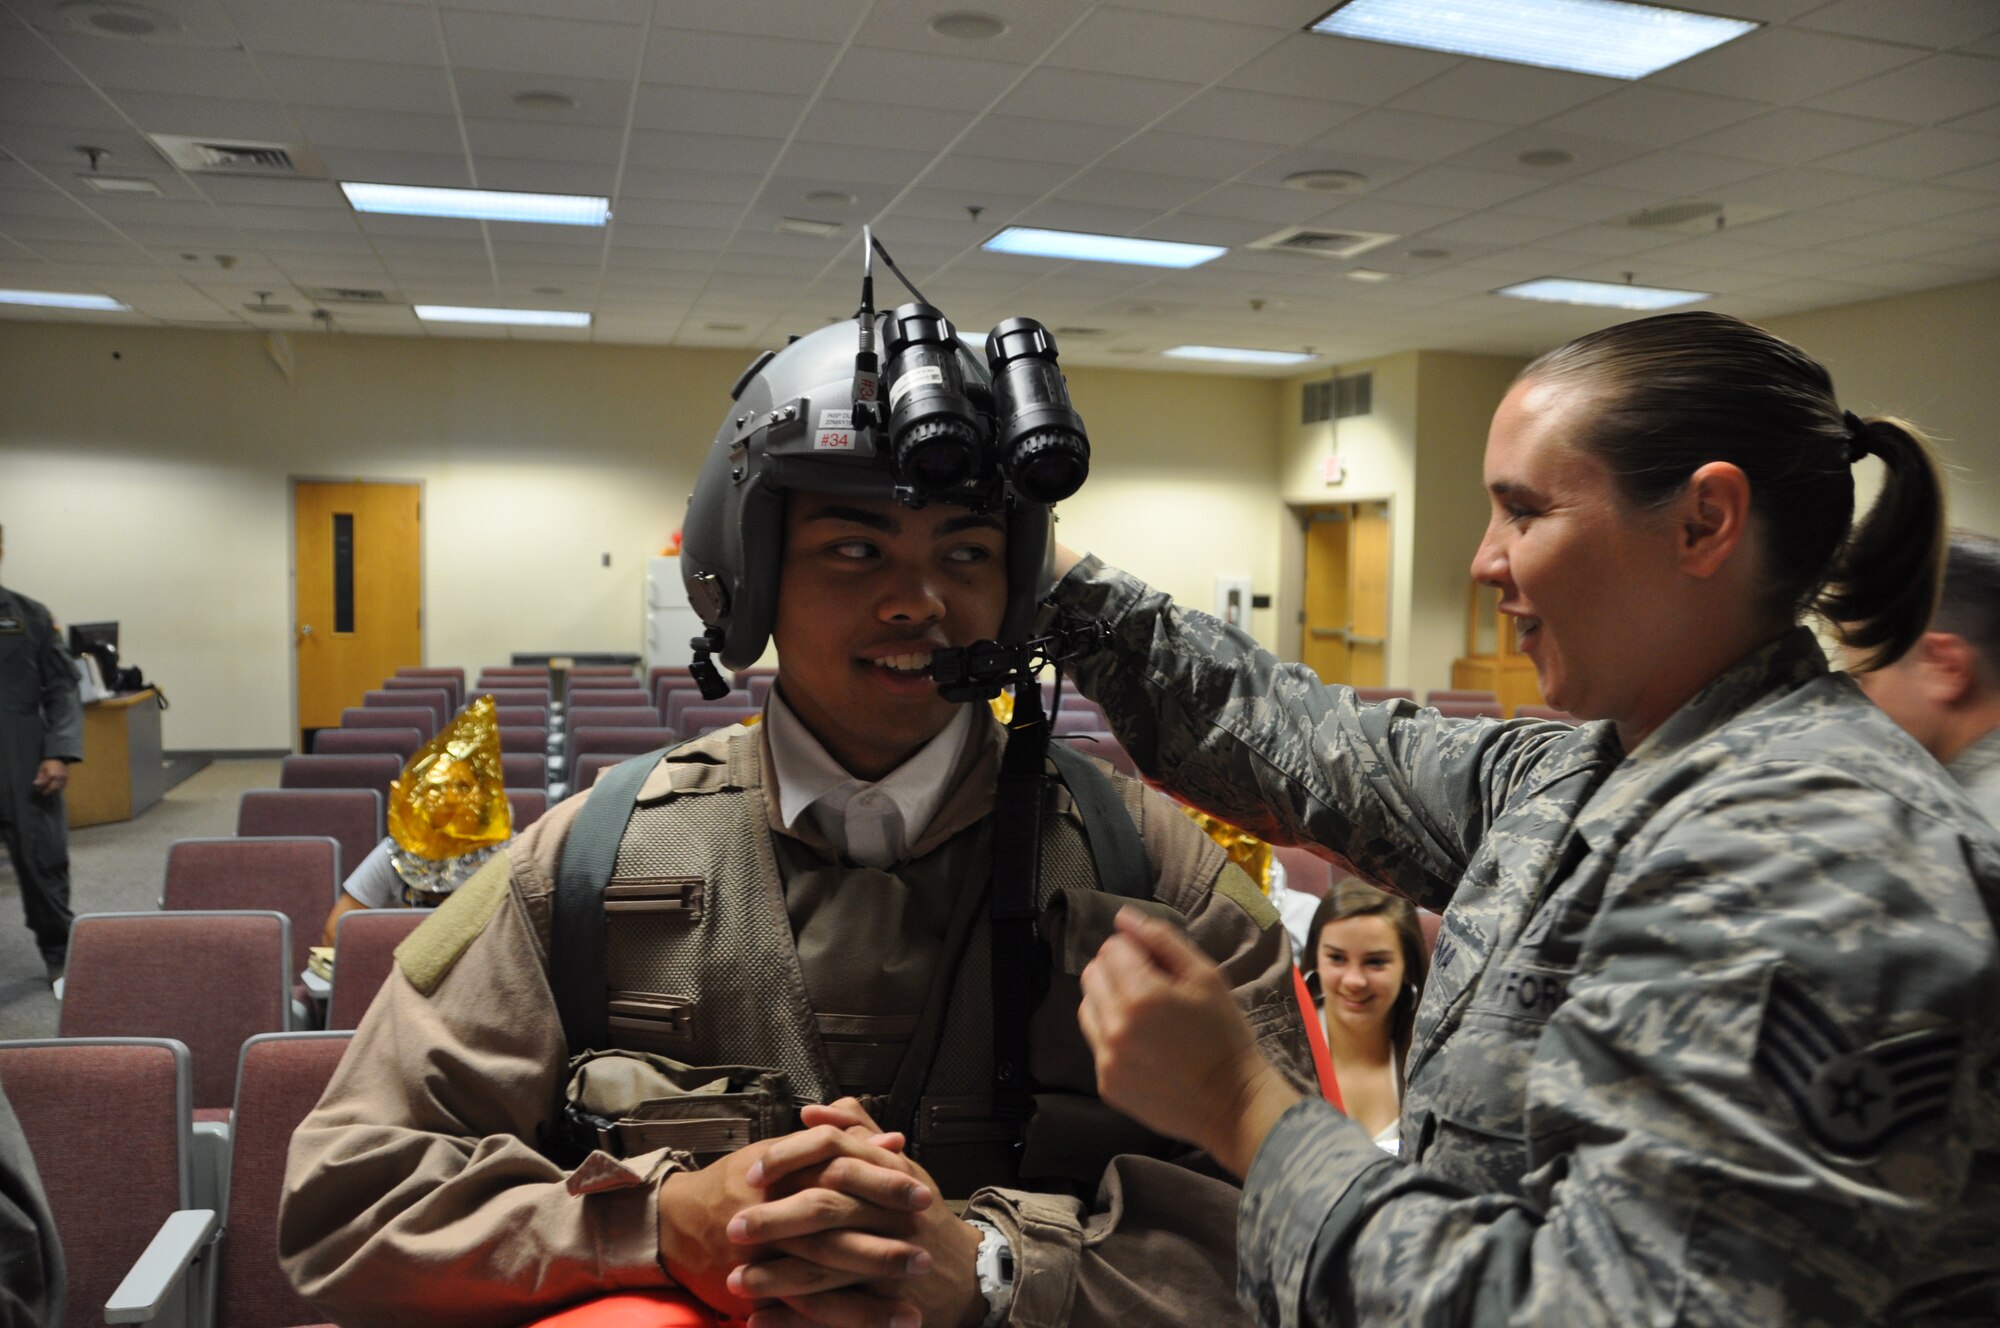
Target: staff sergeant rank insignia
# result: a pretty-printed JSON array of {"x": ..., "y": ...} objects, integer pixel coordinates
[{"x": 1852, "y": 1100}]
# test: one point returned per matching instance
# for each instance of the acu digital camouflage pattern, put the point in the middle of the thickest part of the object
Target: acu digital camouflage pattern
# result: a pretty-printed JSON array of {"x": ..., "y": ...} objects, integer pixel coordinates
[{"x": 1710, "y": 1035}]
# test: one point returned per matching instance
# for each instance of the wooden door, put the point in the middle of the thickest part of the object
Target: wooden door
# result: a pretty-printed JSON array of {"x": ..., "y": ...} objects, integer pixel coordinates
[
  {"x": 1368, "y": 595},
  {"x": 358, "y": 606},
  {"x": 1323, "y": 647}
]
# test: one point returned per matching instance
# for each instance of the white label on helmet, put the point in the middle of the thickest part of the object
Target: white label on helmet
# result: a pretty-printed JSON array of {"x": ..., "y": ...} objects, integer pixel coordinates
[
  {"x": 928, "y": 375},
  {"x": 836, "y": 431}
]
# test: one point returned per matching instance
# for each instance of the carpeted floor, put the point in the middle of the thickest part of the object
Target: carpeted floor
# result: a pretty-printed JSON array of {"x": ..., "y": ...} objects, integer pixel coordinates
[{"x": 116, "y": 868}]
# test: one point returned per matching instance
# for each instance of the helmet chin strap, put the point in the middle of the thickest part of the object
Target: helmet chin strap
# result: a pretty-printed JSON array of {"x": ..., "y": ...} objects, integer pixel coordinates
[{"x": 702, "y": 669}]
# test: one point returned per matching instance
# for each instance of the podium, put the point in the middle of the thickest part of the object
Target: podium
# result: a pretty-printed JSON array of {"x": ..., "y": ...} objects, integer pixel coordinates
[{"x": 122, "y": 772}]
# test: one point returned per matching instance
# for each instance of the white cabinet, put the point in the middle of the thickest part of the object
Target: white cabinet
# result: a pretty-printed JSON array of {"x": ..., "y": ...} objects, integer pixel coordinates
[{"x": 670, "y": 623}]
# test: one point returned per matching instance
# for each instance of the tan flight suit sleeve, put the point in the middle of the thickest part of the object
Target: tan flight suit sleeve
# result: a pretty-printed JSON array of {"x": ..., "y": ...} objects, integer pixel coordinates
[
  {"x": 1157, "y": 1245},
  {"x": 414, "y": 1193}
]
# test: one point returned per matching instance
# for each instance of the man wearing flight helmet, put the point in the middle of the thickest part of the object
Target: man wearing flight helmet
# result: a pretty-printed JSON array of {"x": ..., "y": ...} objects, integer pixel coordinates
[{"x": 658, "y": 1045}]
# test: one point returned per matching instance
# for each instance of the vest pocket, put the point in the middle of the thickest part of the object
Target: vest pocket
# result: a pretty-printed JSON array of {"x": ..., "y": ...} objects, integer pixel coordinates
[
  {"x": 627, "y": 1103},
  {"x": 1073, "y": 926},
  {"x": 652, "y": 1021}
]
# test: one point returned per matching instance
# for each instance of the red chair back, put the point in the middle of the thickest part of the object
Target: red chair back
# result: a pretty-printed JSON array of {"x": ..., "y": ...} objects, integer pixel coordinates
[
  {"x": 208, "y": 979},
  {"x": 510, "y": 698},
  {"x": 523, "y": 770},
  {"x": 351, "y": 816},
  {"x": 679, "y": 703},
  {"x": 1377, "y": 695},
  {"x": 522, "y": 716},
  {"x": 1438, "y": 694},
  {"x": 298, "y": 877},
  {"x": 364, "y": 951},
  {"x": 698, "y": 721},
  {"x": 436, "y": 700},
  {"x": 279, "y": 1080},
  {"x": 421, "y": 718},
  {"x": 357, "y": 772},
  {"x": 613, "y": 717},
  {"x": 399, "y": 743},
  {"x": 527, "y": 806},
  {"x": 531, "y": 741},
  {"x": 1467, "y": 709},
  {"x": 452, "y": 687},
  {"x": 109, "y": 1122}
]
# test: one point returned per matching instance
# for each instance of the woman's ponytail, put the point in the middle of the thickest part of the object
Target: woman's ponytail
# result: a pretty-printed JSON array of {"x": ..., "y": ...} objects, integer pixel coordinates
[{"x": 1883, "y": 585}]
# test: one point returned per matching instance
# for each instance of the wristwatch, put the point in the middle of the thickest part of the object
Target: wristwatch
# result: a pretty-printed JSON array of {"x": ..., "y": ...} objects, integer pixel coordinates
[{"x": 994, "y": 1267}]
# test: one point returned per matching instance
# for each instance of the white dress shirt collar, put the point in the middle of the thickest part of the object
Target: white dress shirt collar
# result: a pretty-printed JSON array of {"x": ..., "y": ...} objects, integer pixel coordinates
[{"x": 870, "y": 822}]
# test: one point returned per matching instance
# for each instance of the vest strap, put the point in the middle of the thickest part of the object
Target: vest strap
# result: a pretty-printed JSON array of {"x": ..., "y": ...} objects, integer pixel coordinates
[
  {"x": 577, "y": 940},
  {"x": 1115, "y": 846}
]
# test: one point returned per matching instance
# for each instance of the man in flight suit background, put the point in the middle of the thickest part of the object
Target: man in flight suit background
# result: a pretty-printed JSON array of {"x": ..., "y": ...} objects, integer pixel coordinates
[
  {"x": 41, "y": 732},
  {"x": 811, "y": 895},
  {"x": 1945, "y": 691}
]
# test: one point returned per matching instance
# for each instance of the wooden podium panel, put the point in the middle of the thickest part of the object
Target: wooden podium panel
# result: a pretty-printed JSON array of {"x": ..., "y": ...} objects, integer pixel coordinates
[{"x": 122, "y": 773}]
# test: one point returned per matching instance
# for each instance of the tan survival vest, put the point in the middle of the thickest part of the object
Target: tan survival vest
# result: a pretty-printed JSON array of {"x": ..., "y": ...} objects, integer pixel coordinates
[{"x": 706, "y": 991}]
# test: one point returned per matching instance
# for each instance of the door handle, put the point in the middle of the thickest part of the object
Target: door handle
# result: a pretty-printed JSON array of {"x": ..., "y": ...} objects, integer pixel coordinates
[{"x": 305, "y": 629}]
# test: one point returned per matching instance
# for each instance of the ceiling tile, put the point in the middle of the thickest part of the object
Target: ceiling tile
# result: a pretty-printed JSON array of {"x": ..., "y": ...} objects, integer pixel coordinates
[
  {"x": 1790, "y": 135},
  {"x": 1655, "y": 115},
  {"x": 742, "y": 63},
  {"x": 1365, "y": 73},
  {"x": 539, "y": 45},
  {"x": 1139, "y": 45},
  {"x": 1676, "y": 172},
  {"x": 124, "y": 66},
  {"x": 1250, "y": 202},
  {"x": 1785, "y": 65},
  {"x": 1033, "y": 27},
  {"x": 1903, "y": 276},
  {"x": 1898, "y": 242},
  {"x": 1979, "y": 177},
  {"x": 1934, "y": 23},
  {"x": 380, "y": 131},
  {"x": 1504, "y": 153},
  {"x": 1929, "y": 91},
  {"x": 1577, "y": 201},
  {"x": 921, "y": 80},
  {"x": 1503, "y": 93},
  {"x": 1801, "y": 229},
  {"x": 29, "y": 101},
  {"x": 1098, "y": 218},
  {"x": 1410, "y": 135},
  {"x": 402, "y": 34},
  {"x": 425, "y": 168},
  {"x": 488, "y": 94},
  {"x": 1802, "y": 188},
  {"x": 1612, "y": 241},
  {"x": 1384, "y": 215},
  {"x": 1910, "y": 204},
  {"x": 686, "y": 109},
  {"x": 1097, "y": 99},
  {"x": 1500, "y": 228},
  {"x": 361, "y": 84},
  {"x": 1257, "y": 117},
  {"x": 1456, "y": 186},
  {"x": 533, "y": 175},
  {"x": 595, "y": 11},
  {"x": 1012, "y": 137},
  {"x": 1132, "y": 189},
  {"x": 1917, "y": 156},
  {"x": 1207, "y": 159},
  {"x": 594, "y": 144},
  {"x": 659, "y": 150},
  {"x": 877, "y": 125},
  {"x": 869, "y": 165}
]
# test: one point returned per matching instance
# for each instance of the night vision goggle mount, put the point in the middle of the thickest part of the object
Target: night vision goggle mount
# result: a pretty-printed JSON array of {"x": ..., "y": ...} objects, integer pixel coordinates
[{"x": 977, "y": 672}]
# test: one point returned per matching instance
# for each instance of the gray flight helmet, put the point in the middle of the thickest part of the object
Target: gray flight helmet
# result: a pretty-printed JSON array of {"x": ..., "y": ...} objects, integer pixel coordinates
[{"x": 788, "y": 430}]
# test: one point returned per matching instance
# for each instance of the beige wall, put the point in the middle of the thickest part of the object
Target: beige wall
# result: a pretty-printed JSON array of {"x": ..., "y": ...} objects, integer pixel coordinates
[
  {"x": 145, "y": 477},
  {"x": 1930, "y": 358}
]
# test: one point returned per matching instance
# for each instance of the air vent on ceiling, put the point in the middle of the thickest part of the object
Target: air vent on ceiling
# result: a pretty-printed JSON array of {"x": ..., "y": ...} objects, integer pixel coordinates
[
  {"x": 265, "y": 307},
  {"x": 1321, "y": 243},
  {"x": 240, "y": 156},
  {"x": 1697, "y": 216},
  {"x": 347, "y": 295},
  {"x": 1337, "y": 398}
]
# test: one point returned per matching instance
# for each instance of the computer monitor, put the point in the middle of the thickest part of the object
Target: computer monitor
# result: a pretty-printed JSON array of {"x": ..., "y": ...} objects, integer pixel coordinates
[{"x": 99, "y": 640}]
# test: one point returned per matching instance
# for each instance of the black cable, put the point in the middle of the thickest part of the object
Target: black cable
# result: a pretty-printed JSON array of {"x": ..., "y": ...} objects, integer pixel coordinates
[{"x": 908, "y": 285}]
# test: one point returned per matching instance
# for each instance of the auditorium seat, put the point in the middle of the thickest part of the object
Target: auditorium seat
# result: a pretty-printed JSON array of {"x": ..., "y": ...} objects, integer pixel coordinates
[
  {"x": 759, "y": 686},
  {"x": 519, "y": 770},
  {"x": 667, "y": 688},
  {"x": 512, "y": 698},
  {"x": 109, "y": 1123},
  {"x": 611, "y": 717},
  {"x": 579, "y": 697},
  {"x": 520, "y": 741},
  {"x": 743, "y": 676},
  {"x": 279, "y": 1079},
  {"x": 1305, "y": 871},
  {"x": 421, "y": 718},
  {"x": 1436, "y": 695},
  {"x": 1377, "y": 695},
  {"x": 364, "y": 950},
  {"x": 585, "y": 771},
  {"x": 298, "y": 877},
  {"x": 449, "y": 686},
  {"x": 620, "y": 742},
  {"x": 399, "y": 743},
  {"x": 623, "y": 672},
  {"x": 697, "y": 721},
  {"x": 370, "y": 772},
  {"x": 351, "y": 816},
  {"x": 438, "y": 702},
  {"x": 1466, "y": 709},
  {"x": 527, "y": 806},
  {"x": 522, "y": 716},
  {"x": 679, "y": 702}
]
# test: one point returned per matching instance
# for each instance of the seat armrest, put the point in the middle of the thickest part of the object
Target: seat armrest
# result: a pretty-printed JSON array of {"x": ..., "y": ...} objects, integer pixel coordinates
[{"x": 159, "y": 1270}]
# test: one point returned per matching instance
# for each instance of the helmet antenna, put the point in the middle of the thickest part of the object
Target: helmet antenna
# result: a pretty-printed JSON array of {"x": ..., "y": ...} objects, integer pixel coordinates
[{"x": 867, "y": 369}]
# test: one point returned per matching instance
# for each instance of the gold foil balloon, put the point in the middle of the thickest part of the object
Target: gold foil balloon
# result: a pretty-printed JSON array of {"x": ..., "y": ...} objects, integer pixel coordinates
[
  {"x": 451, "y": 800},
  {"x": 1247, "y": 851}
]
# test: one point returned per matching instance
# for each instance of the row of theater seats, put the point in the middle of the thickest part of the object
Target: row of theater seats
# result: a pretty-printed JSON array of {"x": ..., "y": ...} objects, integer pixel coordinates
[{"x": 156, "y": 1225}]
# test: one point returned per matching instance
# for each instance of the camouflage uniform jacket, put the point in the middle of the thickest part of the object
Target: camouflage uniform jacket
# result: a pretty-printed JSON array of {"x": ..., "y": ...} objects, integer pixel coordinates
[{"x": 1710, "y": 1035}]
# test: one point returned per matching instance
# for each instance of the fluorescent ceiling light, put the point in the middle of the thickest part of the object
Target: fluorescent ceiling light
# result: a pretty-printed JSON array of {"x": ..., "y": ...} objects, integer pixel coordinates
[
  {"x": 1100, "y": 248},
  {"x": 1610, "y": 294},
  {"x": 1606, "y": 37},
  {"x": 455, "y": 313},
  {"x": 410, "y": 200},
  {"x": 1238, "y": 355},
  {"x": 64, "y": 300}
]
